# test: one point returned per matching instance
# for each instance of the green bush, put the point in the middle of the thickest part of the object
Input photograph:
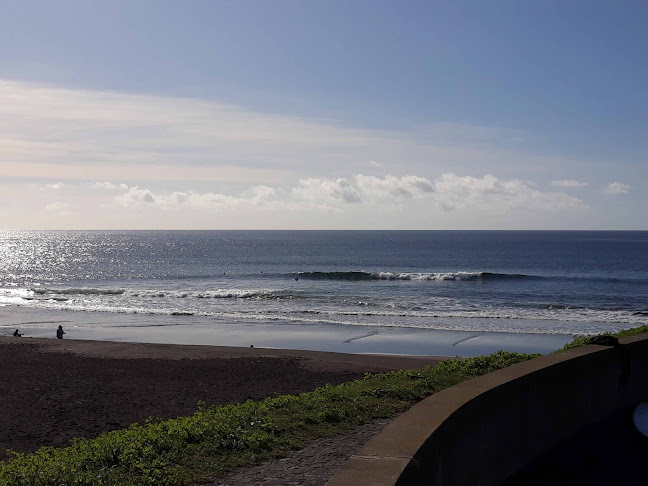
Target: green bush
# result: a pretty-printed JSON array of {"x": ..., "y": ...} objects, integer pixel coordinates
[
  {"x": 583, "y": 340},
  {"x": 203, "y": 446}
]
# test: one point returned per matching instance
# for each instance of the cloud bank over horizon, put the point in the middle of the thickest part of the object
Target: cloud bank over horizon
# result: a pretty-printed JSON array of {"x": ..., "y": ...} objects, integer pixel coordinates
[
  {"x": 449, "y": 192},
  {"x": 446, "y": 194}
]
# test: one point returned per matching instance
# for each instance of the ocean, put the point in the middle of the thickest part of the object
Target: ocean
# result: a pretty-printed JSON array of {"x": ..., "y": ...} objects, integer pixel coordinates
[{"x": 349, "y": 283}]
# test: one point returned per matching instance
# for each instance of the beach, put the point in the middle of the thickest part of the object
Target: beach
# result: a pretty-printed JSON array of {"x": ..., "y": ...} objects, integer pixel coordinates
[{"x": 54, "y": 390}]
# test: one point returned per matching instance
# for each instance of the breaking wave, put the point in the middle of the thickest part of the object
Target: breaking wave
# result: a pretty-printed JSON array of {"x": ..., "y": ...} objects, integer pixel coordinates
[
  {"x": 77, "y": 291},
  {"x": 153, "y": 293},
  {"x": 428, "y": 276}
]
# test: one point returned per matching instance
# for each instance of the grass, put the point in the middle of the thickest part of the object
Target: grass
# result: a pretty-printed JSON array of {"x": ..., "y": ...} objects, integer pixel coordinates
[
  {"x": 583, "y": 340},
  {"x": 207, "y": 444}
]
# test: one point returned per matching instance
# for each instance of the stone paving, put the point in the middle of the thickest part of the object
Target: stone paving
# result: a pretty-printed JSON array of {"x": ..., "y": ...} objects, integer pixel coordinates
[{"x": 313, "y": 465}]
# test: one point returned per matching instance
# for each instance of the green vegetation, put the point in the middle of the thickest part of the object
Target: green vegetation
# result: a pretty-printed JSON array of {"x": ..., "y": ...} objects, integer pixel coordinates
[
  {"x": 583, "y": 340},
  {"x": 214, "y": 440}
]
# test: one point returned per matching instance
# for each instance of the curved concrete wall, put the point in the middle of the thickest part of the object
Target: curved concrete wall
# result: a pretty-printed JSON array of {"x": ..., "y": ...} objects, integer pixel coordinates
[{"x": 484, "y": 430}]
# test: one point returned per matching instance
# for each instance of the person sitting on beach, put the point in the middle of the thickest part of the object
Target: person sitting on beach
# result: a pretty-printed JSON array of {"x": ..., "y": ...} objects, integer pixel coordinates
[
  {"x": 17, "y": 334},
  {"x": 60, "y": 332}
]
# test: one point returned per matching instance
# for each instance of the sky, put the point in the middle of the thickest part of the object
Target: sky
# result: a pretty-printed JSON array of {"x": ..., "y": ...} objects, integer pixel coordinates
[{"x": 328, "y": 114}]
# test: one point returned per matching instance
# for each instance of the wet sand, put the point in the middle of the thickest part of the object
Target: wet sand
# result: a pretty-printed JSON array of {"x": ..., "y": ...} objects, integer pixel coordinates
[
  {"x": 196, "y": 330},
  {"x": 53, "y": 390}
]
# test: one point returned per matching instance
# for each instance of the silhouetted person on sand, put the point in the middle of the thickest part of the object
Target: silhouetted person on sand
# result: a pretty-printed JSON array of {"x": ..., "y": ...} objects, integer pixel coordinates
[
  {"x": 60, "y": 332},
  {"x": 17, "y": 334}
]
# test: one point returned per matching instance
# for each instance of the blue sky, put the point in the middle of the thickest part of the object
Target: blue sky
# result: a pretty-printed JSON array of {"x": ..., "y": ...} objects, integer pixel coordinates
[{"x": 324, "y": 114}]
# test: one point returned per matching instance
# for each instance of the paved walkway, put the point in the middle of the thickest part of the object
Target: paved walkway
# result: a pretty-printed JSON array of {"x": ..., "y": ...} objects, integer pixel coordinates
[{"x": 312, "y": 466}]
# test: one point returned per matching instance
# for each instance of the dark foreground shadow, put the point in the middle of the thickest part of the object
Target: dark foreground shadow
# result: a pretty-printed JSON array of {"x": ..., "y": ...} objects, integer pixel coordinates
[{"x": 609, "y": 452}]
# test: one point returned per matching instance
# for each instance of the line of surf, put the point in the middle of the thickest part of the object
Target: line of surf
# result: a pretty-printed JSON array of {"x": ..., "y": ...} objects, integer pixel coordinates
[{"x": 422, "y": 276}]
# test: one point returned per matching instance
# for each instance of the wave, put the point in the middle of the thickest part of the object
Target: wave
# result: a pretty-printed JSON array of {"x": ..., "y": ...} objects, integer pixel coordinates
[
  {"x": 337, "y": 275},
  {"x": 425, "y": 276},
  {"x": 560, "y": 307},
  {"x": 546, "y": 320},
  {"x": 215, "y": 294},
  {"x": 156, "y": 293},
  {"x": 459, "y": 276},
  {"x": 77, "y": 291},
  {"x": 352, "y": 313},
  {"x": 487, "y": 320}
]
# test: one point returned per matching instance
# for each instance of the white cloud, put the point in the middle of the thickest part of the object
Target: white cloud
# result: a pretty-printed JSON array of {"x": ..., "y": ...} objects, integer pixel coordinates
[
  {"x": 109, "y": 186},
  {"x": 206, "y": 201},
  {"x": 568, "y": 183},
  {"x": 319, "y": 193},
  {"x": 136, "y": 196},
  {"x": 58, "y": 207},
  {"x": 323, "y": 193},
  {"x": 616, "y": 188},
  {"x": 360, "y": 188},
  {"x": 56, "y": 186},
  {"x": 490, "y": 193},
  {"x": 391, "y": 187},
  {"x": 256, "y": 196},
  {"x": 449, "y": 191},
  {"x": 261, "y": 195}
]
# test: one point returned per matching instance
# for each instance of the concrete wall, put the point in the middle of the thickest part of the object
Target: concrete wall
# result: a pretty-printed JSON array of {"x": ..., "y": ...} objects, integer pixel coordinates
[{"x": 484, "y": 430}]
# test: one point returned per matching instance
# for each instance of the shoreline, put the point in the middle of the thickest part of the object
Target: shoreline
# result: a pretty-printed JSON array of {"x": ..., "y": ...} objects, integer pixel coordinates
[{"x": 346, "y": 339}]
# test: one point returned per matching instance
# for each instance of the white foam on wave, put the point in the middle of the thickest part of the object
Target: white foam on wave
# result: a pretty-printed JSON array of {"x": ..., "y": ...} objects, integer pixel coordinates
[
  {"x": 465, "y": 324},
  {"x": 446, "y": 314},
  {"x": 77, "y": 291},
  {"x": 156, "y": 293},
  {"x": 488, "y": 320},
  {"x": 437, "y": 277},
  {"x": 14, "y": 296},
  {"x": 210, "y": 294}
]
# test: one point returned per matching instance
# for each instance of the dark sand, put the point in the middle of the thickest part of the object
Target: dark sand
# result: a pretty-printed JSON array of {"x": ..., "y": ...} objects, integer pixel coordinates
[{"x": 53, "y": 390}]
